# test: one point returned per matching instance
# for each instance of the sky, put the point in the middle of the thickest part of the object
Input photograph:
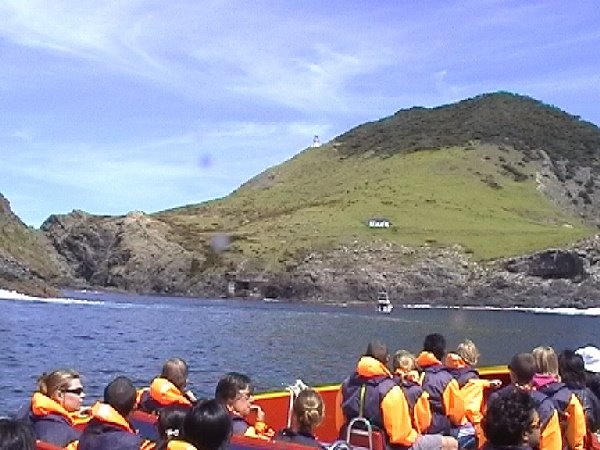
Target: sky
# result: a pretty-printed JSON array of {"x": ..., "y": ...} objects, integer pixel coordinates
[{"x": 133, "y": 105}]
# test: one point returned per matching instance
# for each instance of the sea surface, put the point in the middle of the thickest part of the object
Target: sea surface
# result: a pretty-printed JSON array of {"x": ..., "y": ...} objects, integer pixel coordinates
[{"x": 104, "y": 335}]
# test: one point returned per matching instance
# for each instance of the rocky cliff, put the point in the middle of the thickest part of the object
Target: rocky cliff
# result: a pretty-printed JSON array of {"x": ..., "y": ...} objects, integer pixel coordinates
[{"x": 28, "y": 263}]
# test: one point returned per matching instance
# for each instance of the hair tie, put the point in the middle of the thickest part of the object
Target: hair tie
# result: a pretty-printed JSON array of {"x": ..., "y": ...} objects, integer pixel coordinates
[{"x": 171, "y": 433}]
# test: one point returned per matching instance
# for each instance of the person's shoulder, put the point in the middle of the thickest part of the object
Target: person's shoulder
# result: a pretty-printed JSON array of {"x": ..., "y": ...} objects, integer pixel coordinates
[{"x": 240, "y": 425}]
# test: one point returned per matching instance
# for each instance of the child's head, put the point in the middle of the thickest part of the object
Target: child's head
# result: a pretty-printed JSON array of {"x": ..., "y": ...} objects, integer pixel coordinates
[
  {"x": 378, "y": 350},
  {"x": 468, "y": 352},
  {"x": 546, "y": 361},
  {"x": 403, "y": 361},
  {"x": 234, "y": 390},
  {"x": 208, "y": 425},
  {"x": 435, "y": 343},
  {"x": 512, "y": 420},
  {"x": 170, "y": 421},
  {"x": 309, "y": 410},
  {"x": 522, "y": 368}
]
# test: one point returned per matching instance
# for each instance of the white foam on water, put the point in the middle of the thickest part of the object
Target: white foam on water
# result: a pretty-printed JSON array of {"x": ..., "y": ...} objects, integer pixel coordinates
[
  {"x": 14, "y": 295},
  {"x": 536, "y": 310}
]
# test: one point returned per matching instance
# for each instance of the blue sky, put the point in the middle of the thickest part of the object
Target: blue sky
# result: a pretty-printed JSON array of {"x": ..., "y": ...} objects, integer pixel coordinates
[{"x": 114, "y": 106}]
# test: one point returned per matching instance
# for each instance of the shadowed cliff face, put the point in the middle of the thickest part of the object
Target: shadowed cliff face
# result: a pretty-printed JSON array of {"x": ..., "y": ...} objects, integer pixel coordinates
[{"x": 133, "y": 252}]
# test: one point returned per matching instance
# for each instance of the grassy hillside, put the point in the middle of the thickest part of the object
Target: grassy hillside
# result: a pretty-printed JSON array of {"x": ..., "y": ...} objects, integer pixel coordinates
[
  {"x": 23, "y": 245},
  {"x": 478, "y": 196}
]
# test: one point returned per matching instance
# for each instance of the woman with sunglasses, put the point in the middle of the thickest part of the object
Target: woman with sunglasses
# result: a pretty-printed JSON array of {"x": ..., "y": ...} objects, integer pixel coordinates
[{"x": 58, "y": 396}]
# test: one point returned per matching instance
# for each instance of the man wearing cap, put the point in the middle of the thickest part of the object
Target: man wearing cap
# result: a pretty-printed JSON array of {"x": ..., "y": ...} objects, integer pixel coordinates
[{"x": 591, "y": 362}]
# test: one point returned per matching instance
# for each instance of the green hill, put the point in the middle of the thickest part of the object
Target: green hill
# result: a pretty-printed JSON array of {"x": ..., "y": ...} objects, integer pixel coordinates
[
  {"x": 27, "y": 261},
  {"x": 473, "y": 173}
]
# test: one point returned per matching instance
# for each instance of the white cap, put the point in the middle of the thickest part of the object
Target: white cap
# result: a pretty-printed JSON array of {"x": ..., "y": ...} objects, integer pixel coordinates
[{"x": 591, "y": 358}]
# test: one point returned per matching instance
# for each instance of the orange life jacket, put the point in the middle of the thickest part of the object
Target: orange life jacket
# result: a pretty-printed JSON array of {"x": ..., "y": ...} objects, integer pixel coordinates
[
  {"x": 166, "y": 393},
  {"x": 42, "y": 405},
  {"x": 106, "y": 413}
]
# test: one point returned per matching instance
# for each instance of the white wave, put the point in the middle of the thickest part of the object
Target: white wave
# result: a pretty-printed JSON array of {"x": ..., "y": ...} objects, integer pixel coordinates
[
  {"x": 13, "y": 295},
  {"x": 528, "y": 309}
]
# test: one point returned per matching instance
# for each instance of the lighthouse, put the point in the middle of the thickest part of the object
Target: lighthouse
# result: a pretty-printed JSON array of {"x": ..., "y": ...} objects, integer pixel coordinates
[{"x": 316, "y": 141}]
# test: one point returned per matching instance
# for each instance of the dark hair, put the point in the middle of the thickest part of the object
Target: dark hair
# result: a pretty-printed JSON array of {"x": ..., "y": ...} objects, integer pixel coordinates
[
  {"x": 16, "y": 435},
  {"x": 508, "y": 417},
  {"x": 229, "y": 386},
  {"x": 571, "y": 369},
  {"x": 120, "y": 394},
  {"x": 436, "y": 344},
  {"x": 207, "y": 425},
  {"x": 378, "y": 350},
  {"x": 170, "y": 418},
  {"x": 522, "y": 366},
  {"x": 176, "y": 371}
]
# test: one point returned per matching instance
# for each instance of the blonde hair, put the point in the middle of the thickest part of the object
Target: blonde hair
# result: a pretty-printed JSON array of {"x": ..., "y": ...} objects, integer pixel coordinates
[
  {"x": 404, "y": 360},
  {"x": 50, "y": 383},
  {"x": 546, "y": 361},
  {"x": 468, "y": 351},
  {"x": 309, "y": 409}
]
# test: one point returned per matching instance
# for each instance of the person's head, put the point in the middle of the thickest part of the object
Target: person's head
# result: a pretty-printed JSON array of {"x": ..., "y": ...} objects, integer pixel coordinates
[
  {"x": 546, "y": 361},
  {"x": 571, "y": 369},
  {"x": 120, "y": 394},
  {"x": 591, "y": 358},
  {"x": 435, "y": 343},
  {"x": 309, "y": 410},
  {"x": 378, "y": 350},
  {"x": 170, "y": 421},
  {"x": 64, "y": 387},
  {"x": 522, "y": 368},
  {"x": 16, "y": 435},
  {"x": 468, "y": 352},
  {"x": 207, "y": 425},
  {"x": 404, "y": 361},
  {"x": 234, "y": 390},
  {"x": 176, "y": 371},
  {"x": 512, "y": 420}
]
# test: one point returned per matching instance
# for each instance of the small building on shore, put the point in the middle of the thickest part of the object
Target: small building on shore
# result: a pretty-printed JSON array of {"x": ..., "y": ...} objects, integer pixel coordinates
[{"x": 378, "y": 222}]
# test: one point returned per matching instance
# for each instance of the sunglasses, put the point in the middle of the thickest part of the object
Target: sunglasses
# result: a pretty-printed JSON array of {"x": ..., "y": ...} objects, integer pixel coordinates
[{"x": 76, "y": 391}]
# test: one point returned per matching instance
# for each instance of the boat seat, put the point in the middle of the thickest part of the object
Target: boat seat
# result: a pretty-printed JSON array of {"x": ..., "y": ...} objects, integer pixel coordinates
[{"x": 361, "y": 435}]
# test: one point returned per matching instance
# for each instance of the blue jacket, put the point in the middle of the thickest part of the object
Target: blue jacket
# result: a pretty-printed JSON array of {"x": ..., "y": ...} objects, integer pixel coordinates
[
  {"x": 99, "y": 435},
  {"x": 287, "y": 435},
  {"x": 108, "y": 430},
  {"x": 239, "y": 424},
  {"x": 54, "y": 429}
]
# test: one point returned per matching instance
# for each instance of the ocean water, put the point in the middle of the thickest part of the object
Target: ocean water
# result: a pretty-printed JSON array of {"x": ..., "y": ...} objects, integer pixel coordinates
[{"x": 103, "y": 335}]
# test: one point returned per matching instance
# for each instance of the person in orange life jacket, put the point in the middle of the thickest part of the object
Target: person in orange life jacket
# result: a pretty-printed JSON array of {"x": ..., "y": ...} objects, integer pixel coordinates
[
  {"x": 308, "y": 413},
  {"x": 16, "y": 435},
  {"x": 170, "y": 425},
  {"x": 511, "y": 422},
  {"x": 572, "y": 372},
  {"x": 570, "y": 411},
  {"x": 591, "y": 362},
  {"x": 446, "y": 402},
  {"x": 208, "y": 426},
  {"x": 462, "y": 367},
  {"x": 234, "y": 390},
  {"x": 522, "y": 370},
  {"x": 59, "y": 395},
  {"x": 372, "y": 393},
  {"x": 167, "y": 389},
  {"x": 406, "y": 376},
  {"x": 110, "y": 427}
]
